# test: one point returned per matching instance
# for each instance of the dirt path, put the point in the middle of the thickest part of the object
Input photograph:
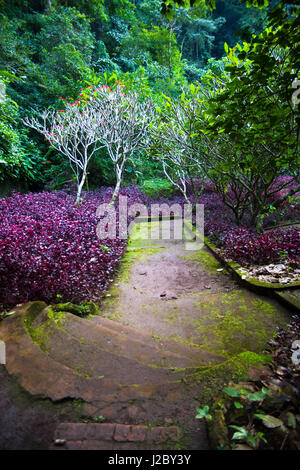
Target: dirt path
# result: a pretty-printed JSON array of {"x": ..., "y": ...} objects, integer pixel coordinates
[{"x": 188, "y": 297}]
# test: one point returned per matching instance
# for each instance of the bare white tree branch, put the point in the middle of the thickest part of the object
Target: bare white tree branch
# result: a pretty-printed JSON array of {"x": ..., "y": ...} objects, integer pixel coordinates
[
  {"x": 104, "y": 118},
  {"x": 72, "y": 131},
  {"x": 124, "y": 128}
]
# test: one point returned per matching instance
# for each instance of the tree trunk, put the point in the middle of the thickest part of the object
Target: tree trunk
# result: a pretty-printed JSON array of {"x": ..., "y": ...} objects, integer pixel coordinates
[
  {"x": 116, "y": 191},
  {"x": 119, "y": 173},
  {"x": 79, "y": 188},
  {"x": 259, "y": 224}
]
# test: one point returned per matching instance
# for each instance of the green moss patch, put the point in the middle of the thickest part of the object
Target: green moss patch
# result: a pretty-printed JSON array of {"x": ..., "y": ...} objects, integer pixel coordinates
[
  {"x": 33, "y": 311},
  {"x": 203, "y": 257},
  {"x": 212, "y": 379},
  {"x": 40, "y": 334},
  {"x": 227, "y": 323},
  {"x": 81, "y": 310},
  {"x": 230, "y": 323},
  {"x": 139, "y": 248}
]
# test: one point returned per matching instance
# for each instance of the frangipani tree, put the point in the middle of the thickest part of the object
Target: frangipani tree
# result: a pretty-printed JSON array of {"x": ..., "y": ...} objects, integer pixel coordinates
[
  {"x": 176, "y": 170},
  {"x": 124, "y": 125},
  {"x": 178, "y": 142},
  {"x": 101, "y": 117},
  {"x": 74, "y": 132}
]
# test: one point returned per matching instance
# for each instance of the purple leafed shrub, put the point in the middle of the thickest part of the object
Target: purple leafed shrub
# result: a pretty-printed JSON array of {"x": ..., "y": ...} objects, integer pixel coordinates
[
  {"x": 50, "y": 247},
  {"x": 242, "y": 244},
  {"x": 218, "y": 217},
  {"x": 249, "y": 248}
]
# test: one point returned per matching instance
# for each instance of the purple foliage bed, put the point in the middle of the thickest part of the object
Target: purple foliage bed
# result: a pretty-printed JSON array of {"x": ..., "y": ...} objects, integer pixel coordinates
[{"x": 48, "y": 247}]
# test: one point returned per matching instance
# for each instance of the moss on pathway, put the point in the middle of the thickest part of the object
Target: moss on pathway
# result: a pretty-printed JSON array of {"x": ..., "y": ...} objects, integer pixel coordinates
[{"x": 187, "y": 296}]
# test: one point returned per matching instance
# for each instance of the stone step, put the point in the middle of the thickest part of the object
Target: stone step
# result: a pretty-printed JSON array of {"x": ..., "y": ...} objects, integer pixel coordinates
[
  {"x": 134, "y": 343},
  {"x": 40, "y": 374},
  {"x": 90, "y": 360},
  {"x": 114, "y": 436},
  {"x": 163, "y": 398}
]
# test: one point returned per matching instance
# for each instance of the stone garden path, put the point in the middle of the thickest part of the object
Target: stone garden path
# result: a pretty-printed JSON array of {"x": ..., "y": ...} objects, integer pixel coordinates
[{"x": 173, "y": 328}]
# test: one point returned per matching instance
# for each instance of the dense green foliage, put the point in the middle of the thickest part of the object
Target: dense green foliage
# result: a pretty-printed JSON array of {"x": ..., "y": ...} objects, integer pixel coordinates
[
  {"x": 240, "y": 126},
  {"x": 19, "y": 157},
  {"x": 50, "y": 49},
  {"x": 230, "y": 119}
]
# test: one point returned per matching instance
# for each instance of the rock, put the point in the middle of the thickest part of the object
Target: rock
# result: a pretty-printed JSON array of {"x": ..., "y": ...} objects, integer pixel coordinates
[
  {"x": 242, "y": 447},
  {"x": 278, "y": 269},
  {"x": 281, "y": 371},
  {"x": 133, "y": 412},
  {"x": 285, "y": 280},
  {"x": 81, "y": 310},
  {"x": 272, "y": 384},
  {"x": 272, "y": 273},
  {"x": 169, "y": 421},
  {"x": 261, "y": 372},
  {"x": 89, "y": 410},
  {"x": 168, "y": 296},
  {"x": 59, "y": 442},
  {"x": 217, "y": 431}
]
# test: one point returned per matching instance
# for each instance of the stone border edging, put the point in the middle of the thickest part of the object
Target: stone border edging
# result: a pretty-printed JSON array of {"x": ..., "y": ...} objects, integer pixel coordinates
[
  {"x": 274, "y": 290},
  {"x": 287, "y": 225},
  {"x": 288, "y": 299},
  {"x": 109, "y": 436}
]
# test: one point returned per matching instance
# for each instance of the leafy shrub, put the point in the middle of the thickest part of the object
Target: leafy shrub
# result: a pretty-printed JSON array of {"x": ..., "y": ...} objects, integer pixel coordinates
[
  {"x": 158, "y": 187},
  {"x": 246, "y": 247},
  {"x": 20, "y": 159},
  {"x": 242, "y": 244}
]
